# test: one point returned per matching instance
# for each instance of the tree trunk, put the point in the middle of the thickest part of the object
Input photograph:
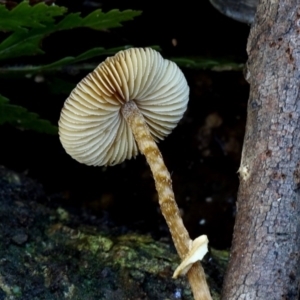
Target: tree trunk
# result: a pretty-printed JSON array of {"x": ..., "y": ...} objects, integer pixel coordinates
[{"x": 265, "y": 252}]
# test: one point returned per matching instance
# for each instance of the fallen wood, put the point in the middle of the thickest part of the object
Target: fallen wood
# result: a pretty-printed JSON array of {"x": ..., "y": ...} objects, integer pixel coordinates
[{"x": 50, "y": 252}]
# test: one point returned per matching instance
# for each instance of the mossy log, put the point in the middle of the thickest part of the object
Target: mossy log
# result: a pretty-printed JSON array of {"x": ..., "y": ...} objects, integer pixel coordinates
[{"x": 51, "y": 252}]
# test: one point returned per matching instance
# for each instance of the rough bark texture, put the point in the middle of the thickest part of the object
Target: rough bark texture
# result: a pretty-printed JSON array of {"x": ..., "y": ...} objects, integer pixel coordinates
[
  {"x": 51, "y": 253},
  {"x": 265, "y": 252}
]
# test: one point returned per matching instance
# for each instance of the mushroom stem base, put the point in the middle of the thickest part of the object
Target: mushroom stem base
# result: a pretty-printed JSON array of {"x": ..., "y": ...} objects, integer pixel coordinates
[{"x": 166, "y": 196}]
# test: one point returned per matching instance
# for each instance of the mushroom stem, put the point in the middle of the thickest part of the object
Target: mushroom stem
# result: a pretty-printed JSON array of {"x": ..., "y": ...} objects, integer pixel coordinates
[{"x": 166, "y": 197}]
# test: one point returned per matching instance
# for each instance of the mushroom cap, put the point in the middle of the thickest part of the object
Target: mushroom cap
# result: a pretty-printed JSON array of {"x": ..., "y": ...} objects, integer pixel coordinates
[{"x": 92, "y": 128}]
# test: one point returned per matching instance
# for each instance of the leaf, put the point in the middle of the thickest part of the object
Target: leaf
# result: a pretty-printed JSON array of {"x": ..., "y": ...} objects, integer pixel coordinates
[
  {"x": 84, "y": 56},
  {"x": 206, "y": 63},
  {"x": 22, "y": 118},
  {"x": 27, "y": 16},
  {"x": 97, "y": 20},
  {"x": 58, "y": 65},
  {"x": 64, "y": 62},
  {"x": 24, "y": 41},
  {"x": 21, "y": 43}
]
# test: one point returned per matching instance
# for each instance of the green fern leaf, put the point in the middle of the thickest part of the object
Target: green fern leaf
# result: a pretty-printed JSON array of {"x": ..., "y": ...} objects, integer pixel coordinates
[
  {"x": 20, "y": 117},
  {"x": 59, "y": 64},
  {"x": 97, "y": 20},
  {"x": 206, "y": 63},
  {"x": 24, "y": 41},
  {"x": 27, "y": 16}
]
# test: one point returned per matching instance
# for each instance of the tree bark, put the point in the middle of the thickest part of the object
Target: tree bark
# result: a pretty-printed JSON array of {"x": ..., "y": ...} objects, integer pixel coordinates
[{"x": 264, "y": 260}]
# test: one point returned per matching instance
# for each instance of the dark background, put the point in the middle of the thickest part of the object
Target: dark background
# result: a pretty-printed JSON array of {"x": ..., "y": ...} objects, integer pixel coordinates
[{"x": 202, "y": 153}]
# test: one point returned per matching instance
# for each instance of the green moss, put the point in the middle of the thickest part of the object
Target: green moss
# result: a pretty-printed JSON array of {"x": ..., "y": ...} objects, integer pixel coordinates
[
  {"x": 64, "y": 258},
  {"x": 16, "y": 291},
  {"x": 93, "y": 243}
]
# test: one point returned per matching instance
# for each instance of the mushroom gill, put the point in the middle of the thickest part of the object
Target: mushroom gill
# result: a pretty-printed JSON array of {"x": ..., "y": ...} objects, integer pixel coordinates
[{"x": 92, "y": 128}]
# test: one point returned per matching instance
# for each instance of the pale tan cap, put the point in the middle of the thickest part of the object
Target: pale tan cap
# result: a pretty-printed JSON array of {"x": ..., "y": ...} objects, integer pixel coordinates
[{"x": 92, "y": 128}]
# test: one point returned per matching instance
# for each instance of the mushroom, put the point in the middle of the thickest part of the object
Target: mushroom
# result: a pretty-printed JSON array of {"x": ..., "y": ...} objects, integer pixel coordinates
[{"x": 129, "y": 102}]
